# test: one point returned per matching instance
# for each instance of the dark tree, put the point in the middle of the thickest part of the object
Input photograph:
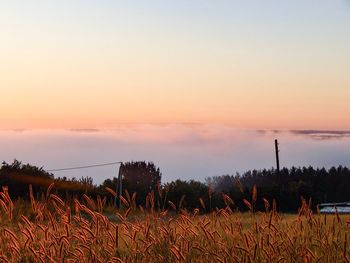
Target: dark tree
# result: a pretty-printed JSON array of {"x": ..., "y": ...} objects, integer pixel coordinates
[
  {"x": 186, "y": 194},
  {"x": 319, "y": 185},
  {"x": 18, "y": 176},
  {"x": 142, "y": 178}
]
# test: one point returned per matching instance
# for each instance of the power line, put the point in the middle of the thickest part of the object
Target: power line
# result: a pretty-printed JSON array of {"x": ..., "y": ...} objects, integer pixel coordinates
[{"x": 83, "y": 167}]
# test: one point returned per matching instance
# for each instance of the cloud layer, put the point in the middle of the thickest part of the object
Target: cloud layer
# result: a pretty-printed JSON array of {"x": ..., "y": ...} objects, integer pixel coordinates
[{"x": 186, "y": 151}]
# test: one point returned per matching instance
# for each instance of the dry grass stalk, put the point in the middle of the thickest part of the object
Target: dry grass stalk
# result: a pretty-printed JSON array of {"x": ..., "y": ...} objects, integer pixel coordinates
[{"x": 85, "y": 234}]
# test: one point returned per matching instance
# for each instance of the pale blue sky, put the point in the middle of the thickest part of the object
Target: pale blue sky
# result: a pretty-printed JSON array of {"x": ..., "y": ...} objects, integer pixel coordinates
[{"x": 180, "y": 151}]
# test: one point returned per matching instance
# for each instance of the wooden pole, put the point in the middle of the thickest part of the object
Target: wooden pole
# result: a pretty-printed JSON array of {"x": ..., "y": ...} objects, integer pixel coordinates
[
  {"x": 118, "y": 187},
  {"x": 120, "y": 184},
  {"x": 277, "y": 157},
  {"x": 116, "y": 190}
]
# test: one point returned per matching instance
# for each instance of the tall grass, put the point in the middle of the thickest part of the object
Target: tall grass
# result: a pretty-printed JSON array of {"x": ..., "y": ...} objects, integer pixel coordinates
[{"x": 51, "y": 230}]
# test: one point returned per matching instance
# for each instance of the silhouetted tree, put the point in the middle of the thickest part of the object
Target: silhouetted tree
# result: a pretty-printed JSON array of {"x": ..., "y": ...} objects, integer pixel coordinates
[
  {"x": 319, "y": 184},
  {"x": 18, "y": 176},
  {"x": 139, "y": 177},
  {"x": 186, "y": 194}
]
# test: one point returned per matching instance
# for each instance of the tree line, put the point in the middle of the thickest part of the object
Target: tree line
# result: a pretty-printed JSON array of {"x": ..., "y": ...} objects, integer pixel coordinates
[{"x": 142, "y": 185}]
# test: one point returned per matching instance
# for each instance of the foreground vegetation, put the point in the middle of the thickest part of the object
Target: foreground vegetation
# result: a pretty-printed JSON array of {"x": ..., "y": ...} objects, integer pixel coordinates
[{"x": 86, "y": 230}]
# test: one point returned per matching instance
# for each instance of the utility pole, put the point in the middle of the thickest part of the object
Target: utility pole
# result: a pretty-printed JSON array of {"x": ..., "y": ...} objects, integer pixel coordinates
[
  {"x": 277, "y": 157},
  {"x": 120, "y": 186}
]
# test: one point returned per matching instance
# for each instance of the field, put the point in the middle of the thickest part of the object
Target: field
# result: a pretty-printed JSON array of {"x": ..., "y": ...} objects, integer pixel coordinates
[{"x": 49, "y": 230}]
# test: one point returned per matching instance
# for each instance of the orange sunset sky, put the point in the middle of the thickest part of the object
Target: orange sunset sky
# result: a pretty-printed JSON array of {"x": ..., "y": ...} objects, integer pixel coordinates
[{"x": 89, "y": 64}]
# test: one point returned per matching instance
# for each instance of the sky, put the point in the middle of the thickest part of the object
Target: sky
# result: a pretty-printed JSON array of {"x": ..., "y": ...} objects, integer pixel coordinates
[{"x": 246, "y": 64}]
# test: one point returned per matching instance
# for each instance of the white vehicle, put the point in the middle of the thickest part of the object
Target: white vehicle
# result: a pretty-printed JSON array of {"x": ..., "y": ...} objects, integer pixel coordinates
[{"x": 332, "y": 208}]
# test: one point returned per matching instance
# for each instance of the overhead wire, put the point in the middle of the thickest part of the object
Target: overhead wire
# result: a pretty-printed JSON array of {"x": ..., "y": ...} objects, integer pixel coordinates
[{"x": 83, "y": 167}]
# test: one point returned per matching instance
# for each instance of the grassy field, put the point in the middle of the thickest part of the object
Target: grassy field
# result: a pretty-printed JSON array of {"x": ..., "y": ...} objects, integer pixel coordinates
[{"x": 49, "y": 230}]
